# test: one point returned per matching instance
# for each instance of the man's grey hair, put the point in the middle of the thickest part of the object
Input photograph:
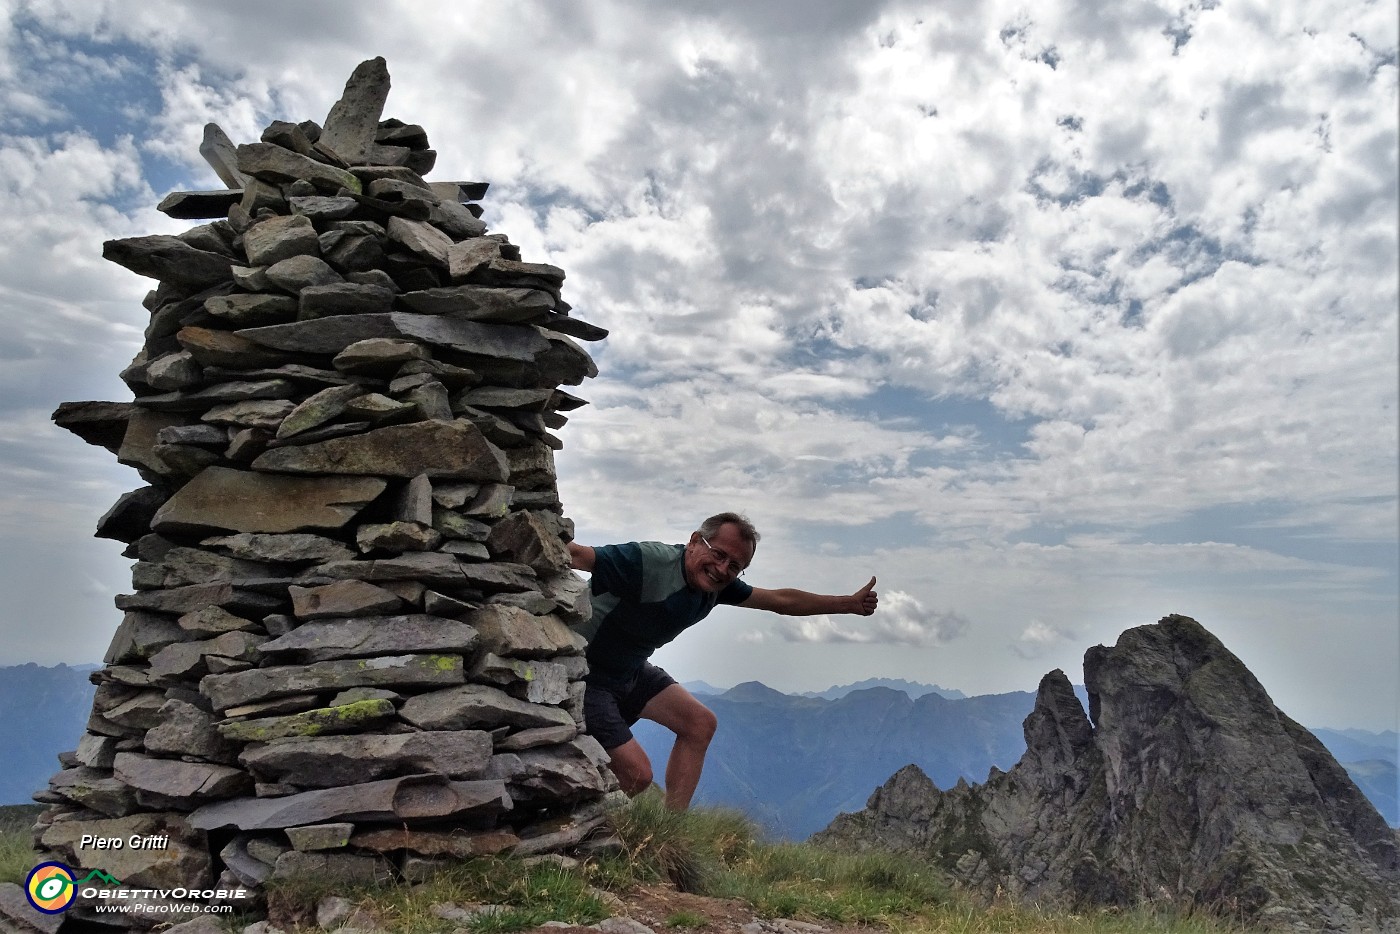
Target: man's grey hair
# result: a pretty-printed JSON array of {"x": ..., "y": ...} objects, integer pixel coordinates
[{"x": 746, "y": 530}]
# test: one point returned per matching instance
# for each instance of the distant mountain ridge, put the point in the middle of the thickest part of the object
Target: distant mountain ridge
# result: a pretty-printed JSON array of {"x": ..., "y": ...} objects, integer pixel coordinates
[
  {"x": 913, "y": 689},
  {"x": 43, "y": 711},
  {"x": 1359, "y": 745},
  {"x": 793, "y": 761},
  {"x": 702, "y": 687},
  {"x": 763, "y": 732}
]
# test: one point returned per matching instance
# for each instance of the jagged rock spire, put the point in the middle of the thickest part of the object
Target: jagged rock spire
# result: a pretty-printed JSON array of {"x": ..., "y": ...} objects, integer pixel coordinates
[{"x": 1189, "y": 787}]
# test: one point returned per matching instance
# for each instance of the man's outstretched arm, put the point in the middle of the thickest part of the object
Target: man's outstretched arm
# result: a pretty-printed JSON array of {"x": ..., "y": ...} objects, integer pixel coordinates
[
  {"x": 791, "y": 602},
  {"x": 580, "y": 557}
]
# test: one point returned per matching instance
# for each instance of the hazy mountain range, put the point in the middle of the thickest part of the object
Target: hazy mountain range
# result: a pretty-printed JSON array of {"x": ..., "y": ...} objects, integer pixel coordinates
[
  {"x": 43, "y": 711},
  {"x": 836, "y": 692},
  {"x": 795, "y": 762},
  {"x": 911, "y": 688},
  {"x": 792, "y": 762}
]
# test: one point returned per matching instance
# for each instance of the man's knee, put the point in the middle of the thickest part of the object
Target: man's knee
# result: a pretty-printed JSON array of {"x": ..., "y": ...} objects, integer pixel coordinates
[
  {"x": 699, "y": 724},
  {"x": 632, "y": 781},
  {"x": 678, "y": 711},
  {"x": 631, "y": 767}
]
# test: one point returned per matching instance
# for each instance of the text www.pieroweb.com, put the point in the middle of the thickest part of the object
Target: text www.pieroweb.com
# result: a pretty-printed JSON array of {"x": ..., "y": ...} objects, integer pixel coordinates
[{"x": 160, "y": 901}]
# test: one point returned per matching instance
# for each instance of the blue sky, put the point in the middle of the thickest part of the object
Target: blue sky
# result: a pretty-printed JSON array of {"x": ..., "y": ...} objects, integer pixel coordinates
[{"x": 1057, "y": 318}]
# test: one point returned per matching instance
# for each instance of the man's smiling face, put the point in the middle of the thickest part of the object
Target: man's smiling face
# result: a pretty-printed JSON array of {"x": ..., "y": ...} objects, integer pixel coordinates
[{"x": 712, "y": 564}]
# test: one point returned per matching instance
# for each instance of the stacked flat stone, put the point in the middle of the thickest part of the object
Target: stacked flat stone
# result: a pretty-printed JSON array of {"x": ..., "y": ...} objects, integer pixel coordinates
[{"x": 349, "y": 652}]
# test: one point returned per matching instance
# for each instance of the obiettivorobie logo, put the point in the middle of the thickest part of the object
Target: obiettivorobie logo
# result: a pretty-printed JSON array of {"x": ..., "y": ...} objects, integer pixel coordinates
[{"x": 51, "y": 888}]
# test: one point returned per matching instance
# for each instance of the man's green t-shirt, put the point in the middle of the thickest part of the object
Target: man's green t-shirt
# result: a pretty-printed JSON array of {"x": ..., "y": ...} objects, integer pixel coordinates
[{"x": 641, "y": 602}]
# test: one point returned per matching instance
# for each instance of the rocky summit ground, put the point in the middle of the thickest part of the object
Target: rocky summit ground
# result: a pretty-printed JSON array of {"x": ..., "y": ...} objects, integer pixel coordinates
[
  {"x": 646, "y": 909},
  {"x": 660, "y": 908}
]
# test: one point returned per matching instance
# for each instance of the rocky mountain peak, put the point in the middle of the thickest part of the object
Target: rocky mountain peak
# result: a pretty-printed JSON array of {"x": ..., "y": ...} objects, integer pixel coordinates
[
  {"x": 752, "y": 691},
  {"x": 1184, "y": 783}
]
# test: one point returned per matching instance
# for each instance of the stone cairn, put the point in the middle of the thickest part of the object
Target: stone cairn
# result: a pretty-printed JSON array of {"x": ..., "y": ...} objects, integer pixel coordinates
[{"x": 349, "y": 654}]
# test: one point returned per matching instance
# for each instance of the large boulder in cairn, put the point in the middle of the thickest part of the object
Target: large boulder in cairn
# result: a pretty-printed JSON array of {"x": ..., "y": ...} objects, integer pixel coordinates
[
  {"x": 220, "y": 499},
  {"x": 1185, "y": 785},
  {"x": 351, "y": 124}
]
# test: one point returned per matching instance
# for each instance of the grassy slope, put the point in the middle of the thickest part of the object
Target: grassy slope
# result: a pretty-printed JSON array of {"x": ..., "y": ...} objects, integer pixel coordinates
[{"x": 710, "y": 853}]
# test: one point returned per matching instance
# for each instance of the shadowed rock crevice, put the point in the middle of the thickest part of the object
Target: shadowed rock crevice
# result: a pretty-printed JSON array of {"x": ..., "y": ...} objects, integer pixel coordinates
[{"x": 1187, "y": 787}]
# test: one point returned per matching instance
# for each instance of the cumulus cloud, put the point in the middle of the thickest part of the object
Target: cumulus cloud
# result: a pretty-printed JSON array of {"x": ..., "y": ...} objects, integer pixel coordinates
[
  {"x": 901, "y": 620},
  {"x": 1040, "y": 638},
  {"x": 1159, "y": 272}
]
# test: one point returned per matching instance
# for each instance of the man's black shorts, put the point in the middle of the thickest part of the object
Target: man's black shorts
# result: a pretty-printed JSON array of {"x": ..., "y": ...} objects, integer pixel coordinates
[{"x": 608, "y": 714}]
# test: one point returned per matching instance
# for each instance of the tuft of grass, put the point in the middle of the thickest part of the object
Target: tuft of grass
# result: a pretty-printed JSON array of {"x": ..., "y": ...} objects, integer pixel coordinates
[
  {"x": 684, "y": 848},
  {"x": 685, "y": 919},
  {"x": 17, "y": 856},
  {"x": 19, "y": 816},
  {"x": 810, "y": 883},
  {"x": 965, "y": 917},
  {"x": 528, "y": 896},
  {"x": 717, "y": 852}
]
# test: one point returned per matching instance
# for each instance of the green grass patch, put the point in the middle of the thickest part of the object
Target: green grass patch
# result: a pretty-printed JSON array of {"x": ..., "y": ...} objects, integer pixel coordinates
[
  {"x": 17, "y": 856},
  {"x": 682, "y": 920},
  {"x": 686, "y": 849},
  {"x": 961, "y": 916},
  {"x": 717, "y": 852},
  {"x": 528, "y": 896},
  {"x": 19, "y": 816},
  {"x": 807, "y": 882}
]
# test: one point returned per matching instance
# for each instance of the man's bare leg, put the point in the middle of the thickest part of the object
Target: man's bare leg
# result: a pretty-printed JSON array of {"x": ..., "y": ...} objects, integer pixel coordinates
[
  {"x": 630, "y": 764},
  {"x": 694, "y": 725}
]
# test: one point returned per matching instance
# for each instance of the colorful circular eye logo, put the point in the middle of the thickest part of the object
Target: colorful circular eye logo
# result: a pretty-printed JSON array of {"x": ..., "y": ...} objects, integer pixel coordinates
[{"x": 50, "y": 888}]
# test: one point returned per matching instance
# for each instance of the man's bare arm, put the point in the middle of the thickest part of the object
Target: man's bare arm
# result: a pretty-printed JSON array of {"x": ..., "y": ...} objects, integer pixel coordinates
[
  {"x": 789, "y": 601},
  {"x": 580, "y": 557}
]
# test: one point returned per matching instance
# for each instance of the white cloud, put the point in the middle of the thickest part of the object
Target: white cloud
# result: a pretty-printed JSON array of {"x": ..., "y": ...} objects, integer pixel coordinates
[
  {"x": 900, "y": 620},
  {"x": 1154, "y": 251},
  {"x": 190, "y": 99},
  {"x": 1040, "y": 638}
]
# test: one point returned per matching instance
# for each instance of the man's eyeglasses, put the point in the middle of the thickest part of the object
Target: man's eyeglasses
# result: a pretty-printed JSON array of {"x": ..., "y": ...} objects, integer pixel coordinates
[{"x": 731, "y": 567}]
